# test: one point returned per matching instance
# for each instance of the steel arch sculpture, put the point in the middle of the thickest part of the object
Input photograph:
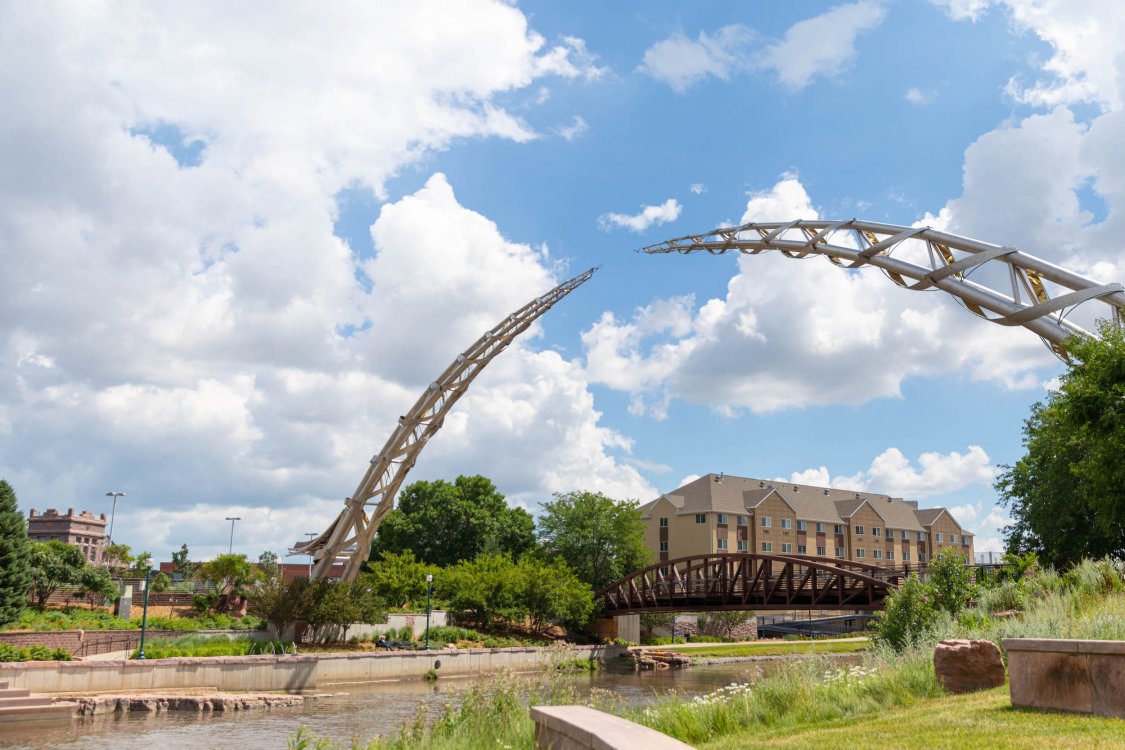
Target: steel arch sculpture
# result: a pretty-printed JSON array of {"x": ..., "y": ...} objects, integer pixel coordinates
[
  {"x": 352, "y": 531},
  {"x": 853, "y": 244},
  {"x": 747, "y": 580}
]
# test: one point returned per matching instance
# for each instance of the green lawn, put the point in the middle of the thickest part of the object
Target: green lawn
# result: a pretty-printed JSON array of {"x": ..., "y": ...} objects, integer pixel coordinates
[
  {"x": 773, "y": 648},
  {"x": 977, "y": 721}
]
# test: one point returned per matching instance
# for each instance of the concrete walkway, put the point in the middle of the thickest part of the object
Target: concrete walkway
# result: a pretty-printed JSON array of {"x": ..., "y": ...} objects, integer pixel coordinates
[{"x": 766, "y": 641}]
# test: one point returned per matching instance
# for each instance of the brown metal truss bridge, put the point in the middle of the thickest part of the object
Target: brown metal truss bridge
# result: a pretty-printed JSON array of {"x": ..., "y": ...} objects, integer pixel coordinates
[{"x": 750, "y": 581}]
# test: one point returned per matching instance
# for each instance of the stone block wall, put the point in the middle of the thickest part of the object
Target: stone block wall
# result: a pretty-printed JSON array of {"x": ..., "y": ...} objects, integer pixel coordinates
[{"x": 1067, "y": 675}]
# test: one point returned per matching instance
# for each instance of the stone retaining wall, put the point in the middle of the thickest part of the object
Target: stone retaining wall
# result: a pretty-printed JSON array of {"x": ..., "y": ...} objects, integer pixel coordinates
[
  {"x": 1067, "y": 675},
  {"x": 288, "y": 673}
]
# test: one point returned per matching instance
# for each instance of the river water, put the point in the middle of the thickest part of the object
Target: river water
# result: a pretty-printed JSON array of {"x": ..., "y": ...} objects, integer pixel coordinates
[{"x": 360, "y": 712}]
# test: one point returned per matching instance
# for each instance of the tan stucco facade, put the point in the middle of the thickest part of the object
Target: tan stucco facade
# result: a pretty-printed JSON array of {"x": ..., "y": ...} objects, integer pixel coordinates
[{"x": 720, "y": 513}]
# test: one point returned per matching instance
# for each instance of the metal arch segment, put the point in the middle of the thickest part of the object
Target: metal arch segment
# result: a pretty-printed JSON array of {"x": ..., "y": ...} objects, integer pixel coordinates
[
  {"x": 1042, "y": 315},
  {"x": 349, "y": 536}
]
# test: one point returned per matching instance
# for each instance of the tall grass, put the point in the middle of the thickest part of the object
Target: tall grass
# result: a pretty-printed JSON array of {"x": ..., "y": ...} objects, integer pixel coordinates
[{"x": 197, "y": 645}]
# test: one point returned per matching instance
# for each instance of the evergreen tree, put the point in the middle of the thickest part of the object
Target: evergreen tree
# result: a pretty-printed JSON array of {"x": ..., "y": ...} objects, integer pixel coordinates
[{"x": 15, "y": 557}]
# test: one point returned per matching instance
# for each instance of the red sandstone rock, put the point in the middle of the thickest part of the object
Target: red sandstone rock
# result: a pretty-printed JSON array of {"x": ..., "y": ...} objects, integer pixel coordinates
[{"x": 964, "y": 666}]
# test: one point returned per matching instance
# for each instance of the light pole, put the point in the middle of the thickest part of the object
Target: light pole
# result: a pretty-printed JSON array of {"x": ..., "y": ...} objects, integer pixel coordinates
[
  {"x": 232, "y": 519},
  {"x": 429, "y": 586},
  {"x": 113, "y": 512},
  {"x": 310, "y": 535},
  {"x": 144, "y": 612}
]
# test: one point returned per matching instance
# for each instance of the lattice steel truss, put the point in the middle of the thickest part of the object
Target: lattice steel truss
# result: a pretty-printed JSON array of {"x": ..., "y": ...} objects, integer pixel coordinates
[
  {"x": 853, "y": 244},
  {"x": 349, "y": 536}
]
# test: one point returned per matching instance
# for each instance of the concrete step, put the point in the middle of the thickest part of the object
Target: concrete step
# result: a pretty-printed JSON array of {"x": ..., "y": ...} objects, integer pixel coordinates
[
  {"x": 3, "y": 685},
  {"x": 63, "y": 710},
  {"x": 13, "y": 693},
  {"x": 31, "y": 700}
]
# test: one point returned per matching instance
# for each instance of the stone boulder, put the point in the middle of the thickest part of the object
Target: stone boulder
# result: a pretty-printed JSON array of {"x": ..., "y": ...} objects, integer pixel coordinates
[{"x": 963, "y": 666}]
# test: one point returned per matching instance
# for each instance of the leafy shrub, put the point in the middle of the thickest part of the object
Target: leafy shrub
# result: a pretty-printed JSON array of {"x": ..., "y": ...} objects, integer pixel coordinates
[
  {"x": 32, "y": 653},
  {"x": 203, "y": 603},
  {"x": 909, "y": 615}
]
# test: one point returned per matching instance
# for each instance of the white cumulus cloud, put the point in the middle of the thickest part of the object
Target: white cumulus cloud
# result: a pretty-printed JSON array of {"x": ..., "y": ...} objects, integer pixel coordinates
[
  {"x": 681, "y": 62},
  {"x": 649, "y": 216},
  {"x": 823, "y": 45}
]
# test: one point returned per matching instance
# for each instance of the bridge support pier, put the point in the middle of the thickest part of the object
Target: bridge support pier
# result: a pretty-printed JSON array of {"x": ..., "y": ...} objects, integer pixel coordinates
[{"x": 626, "y": 627}]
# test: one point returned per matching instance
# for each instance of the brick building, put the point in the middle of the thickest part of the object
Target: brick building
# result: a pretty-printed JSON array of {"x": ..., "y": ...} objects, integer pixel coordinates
[
  {"x": 83, "y": 530},
  {"x": 718, "y": 513}
]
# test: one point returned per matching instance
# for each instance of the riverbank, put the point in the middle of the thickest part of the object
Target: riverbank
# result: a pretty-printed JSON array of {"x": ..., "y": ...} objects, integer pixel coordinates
[
  {"x": 294, "y": 673},
  {"x": 984, "y": 719}
]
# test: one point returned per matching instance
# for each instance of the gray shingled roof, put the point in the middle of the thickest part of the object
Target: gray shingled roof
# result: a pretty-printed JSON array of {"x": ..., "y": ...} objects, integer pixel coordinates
[{"x": 730, "y": 494}]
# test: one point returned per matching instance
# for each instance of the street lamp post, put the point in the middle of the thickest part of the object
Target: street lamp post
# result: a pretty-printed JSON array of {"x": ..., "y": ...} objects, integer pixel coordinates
[
  {"x": 310, "y": 535},
  {"x": 113, "y": 512},
  {"x": 429, "y": 587},
  {"x": 144, "y": 612},
  {"x": 232, "y": 519}
]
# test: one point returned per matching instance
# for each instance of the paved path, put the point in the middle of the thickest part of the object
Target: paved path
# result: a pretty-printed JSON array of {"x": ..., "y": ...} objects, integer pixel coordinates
[{"x": 769, "y": 641}]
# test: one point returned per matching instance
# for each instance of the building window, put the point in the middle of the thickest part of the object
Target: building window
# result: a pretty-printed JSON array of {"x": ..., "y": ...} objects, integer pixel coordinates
[
  {"x": 742, "y": 520},
  {"x": 800, "y": 526},
  {"x": 906, "y": 557},
  {"x": 787, "y": 549},
  {"x": 840, "y": 552},
  {"x": 819, "y": 527},
  {"x": 664, "y": 522},
  {"x": 721, "y": 518},
  {"x": 953, "y": 539},
  {"x": 859, "y": 530},
  {"x": 786, "y": 523},
  {"x": 877, "y": 554},
  {"x": 767, "y": 522},
  {"x": 839, "y": 528},
  {"x": 964, "y": 541},
  {"x": 921, "y": 536},
  {"x": 802, "y": 549},
  {"x": 664, "y": 546},
  {"x": 890, "y": 554},
  {"x": 701, "y": 518},
  {"x": 722, "y": 544},
  {"x": 921, "y": 557},
  {"x": 905, "y": 535},
  {"x": 767, "y": 546},
  {"x": 821, "y": 551},
  {"x": 861, "y": 553},
  {"x": 940, "y": 537},
  {"x": 743, "y": 545}
]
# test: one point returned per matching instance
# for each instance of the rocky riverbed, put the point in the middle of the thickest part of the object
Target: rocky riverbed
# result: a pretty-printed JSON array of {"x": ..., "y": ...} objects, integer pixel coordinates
[{"x": 213, "y": 702}]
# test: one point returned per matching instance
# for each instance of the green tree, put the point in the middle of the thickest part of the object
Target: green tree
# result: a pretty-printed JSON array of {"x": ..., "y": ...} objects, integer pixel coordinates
[
  {"x": 231, "y": 575},
  {"x": 283, "y": 603},
  {"x": 161, "y": 582},
  {"x": 486, "y": 588},
  {"x": 54, "y": 565},
  {"x": 951, "y": 581},
  {"x": 268, "y": 565},
  {"x": 600, "y": 538},
  {"x": 96, "y": 584},
  {"x": 118, "y": 557},
  {"x": 182, "y": 564},
  {"x": 908, "y": 615},
  {"x": 15, "y": 557},
  {"x": 1067, "y": 494},
  {"x": 443, "y": 523},
  {"x": 400, "y": 579},
  {"x": 552, "y": 593}
]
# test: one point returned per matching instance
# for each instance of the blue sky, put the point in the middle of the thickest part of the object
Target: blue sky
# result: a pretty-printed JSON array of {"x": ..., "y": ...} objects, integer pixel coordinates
[{"x": 237, "y": 248}]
